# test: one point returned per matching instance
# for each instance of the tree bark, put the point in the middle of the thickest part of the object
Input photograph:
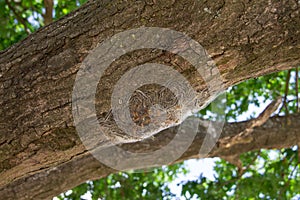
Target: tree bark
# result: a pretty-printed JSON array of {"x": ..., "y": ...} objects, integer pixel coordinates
[
  {"x": 277, "y": 132},
  {"x": 39, "y": 148}
]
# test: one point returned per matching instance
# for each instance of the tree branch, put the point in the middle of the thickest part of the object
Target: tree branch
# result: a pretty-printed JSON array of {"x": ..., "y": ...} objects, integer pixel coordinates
[
  {"x": 48, "y": 16},
  {"x": 297, "y": 91},
  {"x": 275, "y": 133},
  {"x": 39, "y": 146},
  {"x": 287, "y": 82},
  {"x": 245, "y": 136}
]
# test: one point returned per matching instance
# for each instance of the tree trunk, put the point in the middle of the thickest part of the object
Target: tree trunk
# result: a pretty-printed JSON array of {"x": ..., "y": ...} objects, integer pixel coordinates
[{"x": 40, "y": 151}]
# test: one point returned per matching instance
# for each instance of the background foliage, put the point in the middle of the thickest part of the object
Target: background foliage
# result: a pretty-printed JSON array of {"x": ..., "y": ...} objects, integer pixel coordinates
[{"x": 267, "y": 174}]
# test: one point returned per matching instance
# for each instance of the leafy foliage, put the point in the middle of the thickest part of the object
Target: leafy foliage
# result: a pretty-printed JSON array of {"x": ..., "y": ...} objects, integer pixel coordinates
[
  {"x": 265, "y": 174},
  {"x": 143, "y": 185},
  {"x": 256, "y": 91},
  {"x": 18, "y": 18}
]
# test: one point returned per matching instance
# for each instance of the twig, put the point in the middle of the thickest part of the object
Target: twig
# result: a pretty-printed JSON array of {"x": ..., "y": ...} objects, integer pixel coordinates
[
  {"x": 108, "y": 115},
  {"x": 18, "y": 17}
]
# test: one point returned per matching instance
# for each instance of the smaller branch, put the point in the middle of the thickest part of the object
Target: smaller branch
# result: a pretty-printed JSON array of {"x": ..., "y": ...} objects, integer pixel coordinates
[
  {"x": 245, "y": 136},
  {"x": 287, "y": 81},
  {"x": 298, "y": 151},
  {"x": 265, "y": 115},
  {"x": 48, "y": 16},
  {"x": 18, "y": 17},
  {"x": 297, "y": 93}
]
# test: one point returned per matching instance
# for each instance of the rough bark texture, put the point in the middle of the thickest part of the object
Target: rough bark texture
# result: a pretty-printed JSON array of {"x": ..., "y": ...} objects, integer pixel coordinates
[
  {"x": 40, "y": 151},
  {"x": 277, "y": 132}
]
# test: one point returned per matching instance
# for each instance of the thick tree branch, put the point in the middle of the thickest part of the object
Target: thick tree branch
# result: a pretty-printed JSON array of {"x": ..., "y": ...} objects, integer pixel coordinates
[
  {"x": 277, "y": 132},
  {"x": 37, "y": 135}
]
